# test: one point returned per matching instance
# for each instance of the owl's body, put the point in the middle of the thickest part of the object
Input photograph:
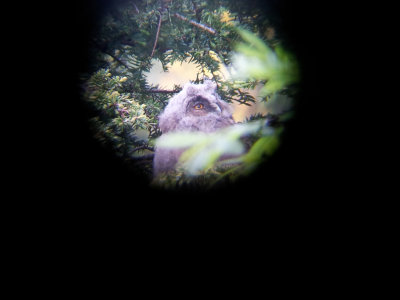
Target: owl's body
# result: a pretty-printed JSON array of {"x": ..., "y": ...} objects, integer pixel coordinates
[{"x": 196, "y": 108}]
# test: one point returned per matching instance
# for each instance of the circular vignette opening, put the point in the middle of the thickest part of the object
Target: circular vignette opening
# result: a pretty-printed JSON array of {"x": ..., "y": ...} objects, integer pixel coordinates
[{"x": 142, "y": 54}]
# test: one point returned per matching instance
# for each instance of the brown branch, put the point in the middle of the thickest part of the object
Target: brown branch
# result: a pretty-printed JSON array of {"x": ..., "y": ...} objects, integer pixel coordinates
[
  {"x": 136, "y": 8},
  {"x": 162, "y": 91},
  {"x": 144, "y": 147},
  {"x": 194, "y": 23},
  {"x": 118, "y": 60},
  {"x": 103, "y": 49},
  {"x": 158, "y": 33}
]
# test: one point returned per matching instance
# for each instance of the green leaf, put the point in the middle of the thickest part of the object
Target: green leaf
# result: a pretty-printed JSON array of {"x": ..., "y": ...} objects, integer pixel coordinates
[
  {"x": 264, "y": 146},
  {"x": 253, "y": 40},
  {"x": 180, "y": 139},
  {"x": 256, "y": 60}
]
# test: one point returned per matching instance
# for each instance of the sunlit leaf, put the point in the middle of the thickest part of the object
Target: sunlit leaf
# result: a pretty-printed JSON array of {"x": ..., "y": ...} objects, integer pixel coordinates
[
  {"x": 264, "y": 146},
  {"x": 255, "y": 60},
  {"x": 205, "y": 149},
  {"x": 181, "y": 139},
  {"x": 203, "y": 158},
  {"x": 253, "y": 40}
]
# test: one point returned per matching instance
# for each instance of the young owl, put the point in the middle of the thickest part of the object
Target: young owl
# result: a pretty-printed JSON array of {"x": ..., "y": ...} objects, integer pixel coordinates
[{"x": 196, "y": 108}]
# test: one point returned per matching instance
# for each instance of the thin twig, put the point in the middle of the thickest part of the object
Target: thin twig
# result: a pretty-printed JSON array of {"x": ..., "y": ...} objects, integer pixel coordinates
[
  {"x": 103, "y": 49},
  {"x": 144, "y": 147},
  {"x": 196, "y": 10},
  {"x": 162, "y": 91},
  {"x": 119, "y": 61},
  {"x": 194, "y": 23},
  {"x": 137, "y": 9},
  {"x": 158, "y": 33}
]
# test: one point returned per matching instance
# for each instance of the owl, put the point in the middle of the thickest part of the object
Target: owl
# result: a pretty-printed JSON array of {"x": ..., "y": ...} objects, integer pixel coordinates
[{"x": 197, "y": 107}]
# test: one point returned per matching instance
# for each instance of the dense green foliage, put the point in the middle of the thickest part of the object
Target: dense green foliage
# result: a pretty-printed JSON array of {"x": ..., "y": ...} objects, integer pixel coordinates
[{"x": 135, "y": 34}]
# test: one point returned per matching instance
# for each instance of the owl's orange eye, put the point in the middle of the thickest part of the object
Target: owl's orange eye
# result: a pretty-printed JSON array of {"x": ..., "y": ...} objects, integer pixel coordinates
[{"x": 199, "y": 106}]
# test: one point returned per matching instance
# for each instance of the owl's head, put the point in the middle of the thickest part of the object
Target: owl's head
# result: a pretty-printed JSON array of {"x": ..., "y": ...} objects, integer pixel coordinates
[{"x": 196, "y": 108}]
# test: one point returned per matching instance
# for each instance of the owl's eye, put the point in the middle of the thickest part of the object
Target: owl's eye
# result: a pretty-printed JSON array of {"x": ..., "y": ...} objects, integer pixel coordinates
[{"x": 199, "y": 106}]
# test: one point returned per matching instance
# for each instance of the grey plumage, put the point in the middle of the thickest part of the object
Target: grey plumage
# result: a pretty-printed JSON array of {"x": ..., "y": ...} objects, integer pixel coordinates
[{"x": 197, "y": 107}]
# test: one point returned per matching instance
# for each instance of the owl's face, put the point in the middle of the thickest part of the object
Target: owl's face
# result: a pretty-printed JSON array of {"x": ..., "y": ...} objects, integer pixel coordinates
[
  {"x": 200, "y": 106},
  {"x": 196, "y": 108}
]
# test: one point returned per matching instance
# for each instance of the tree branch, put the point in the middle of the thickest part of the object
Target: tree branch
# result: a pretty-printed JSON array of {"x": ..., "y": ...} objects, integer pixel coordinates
[
  {"x": 118, "y": 60},
  {"x": 157, "y": 35},
  {"x": 162, "y": 91},
  {"x": 136, "y": 8},
  {"x": 102, "y": 49},
  {"x": 194, "y": 23},
  {"x": 144, "y": 147}
]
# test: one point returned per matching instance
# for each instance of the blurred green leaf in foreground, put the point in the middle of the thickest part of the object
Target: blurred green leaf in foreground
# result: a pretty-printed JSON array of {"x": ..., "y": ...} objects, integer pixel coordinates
[
  {"x": 205, "y": 149},
  {"x": 253, "y": 59},
  {"x": 219, "y": 155}
]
